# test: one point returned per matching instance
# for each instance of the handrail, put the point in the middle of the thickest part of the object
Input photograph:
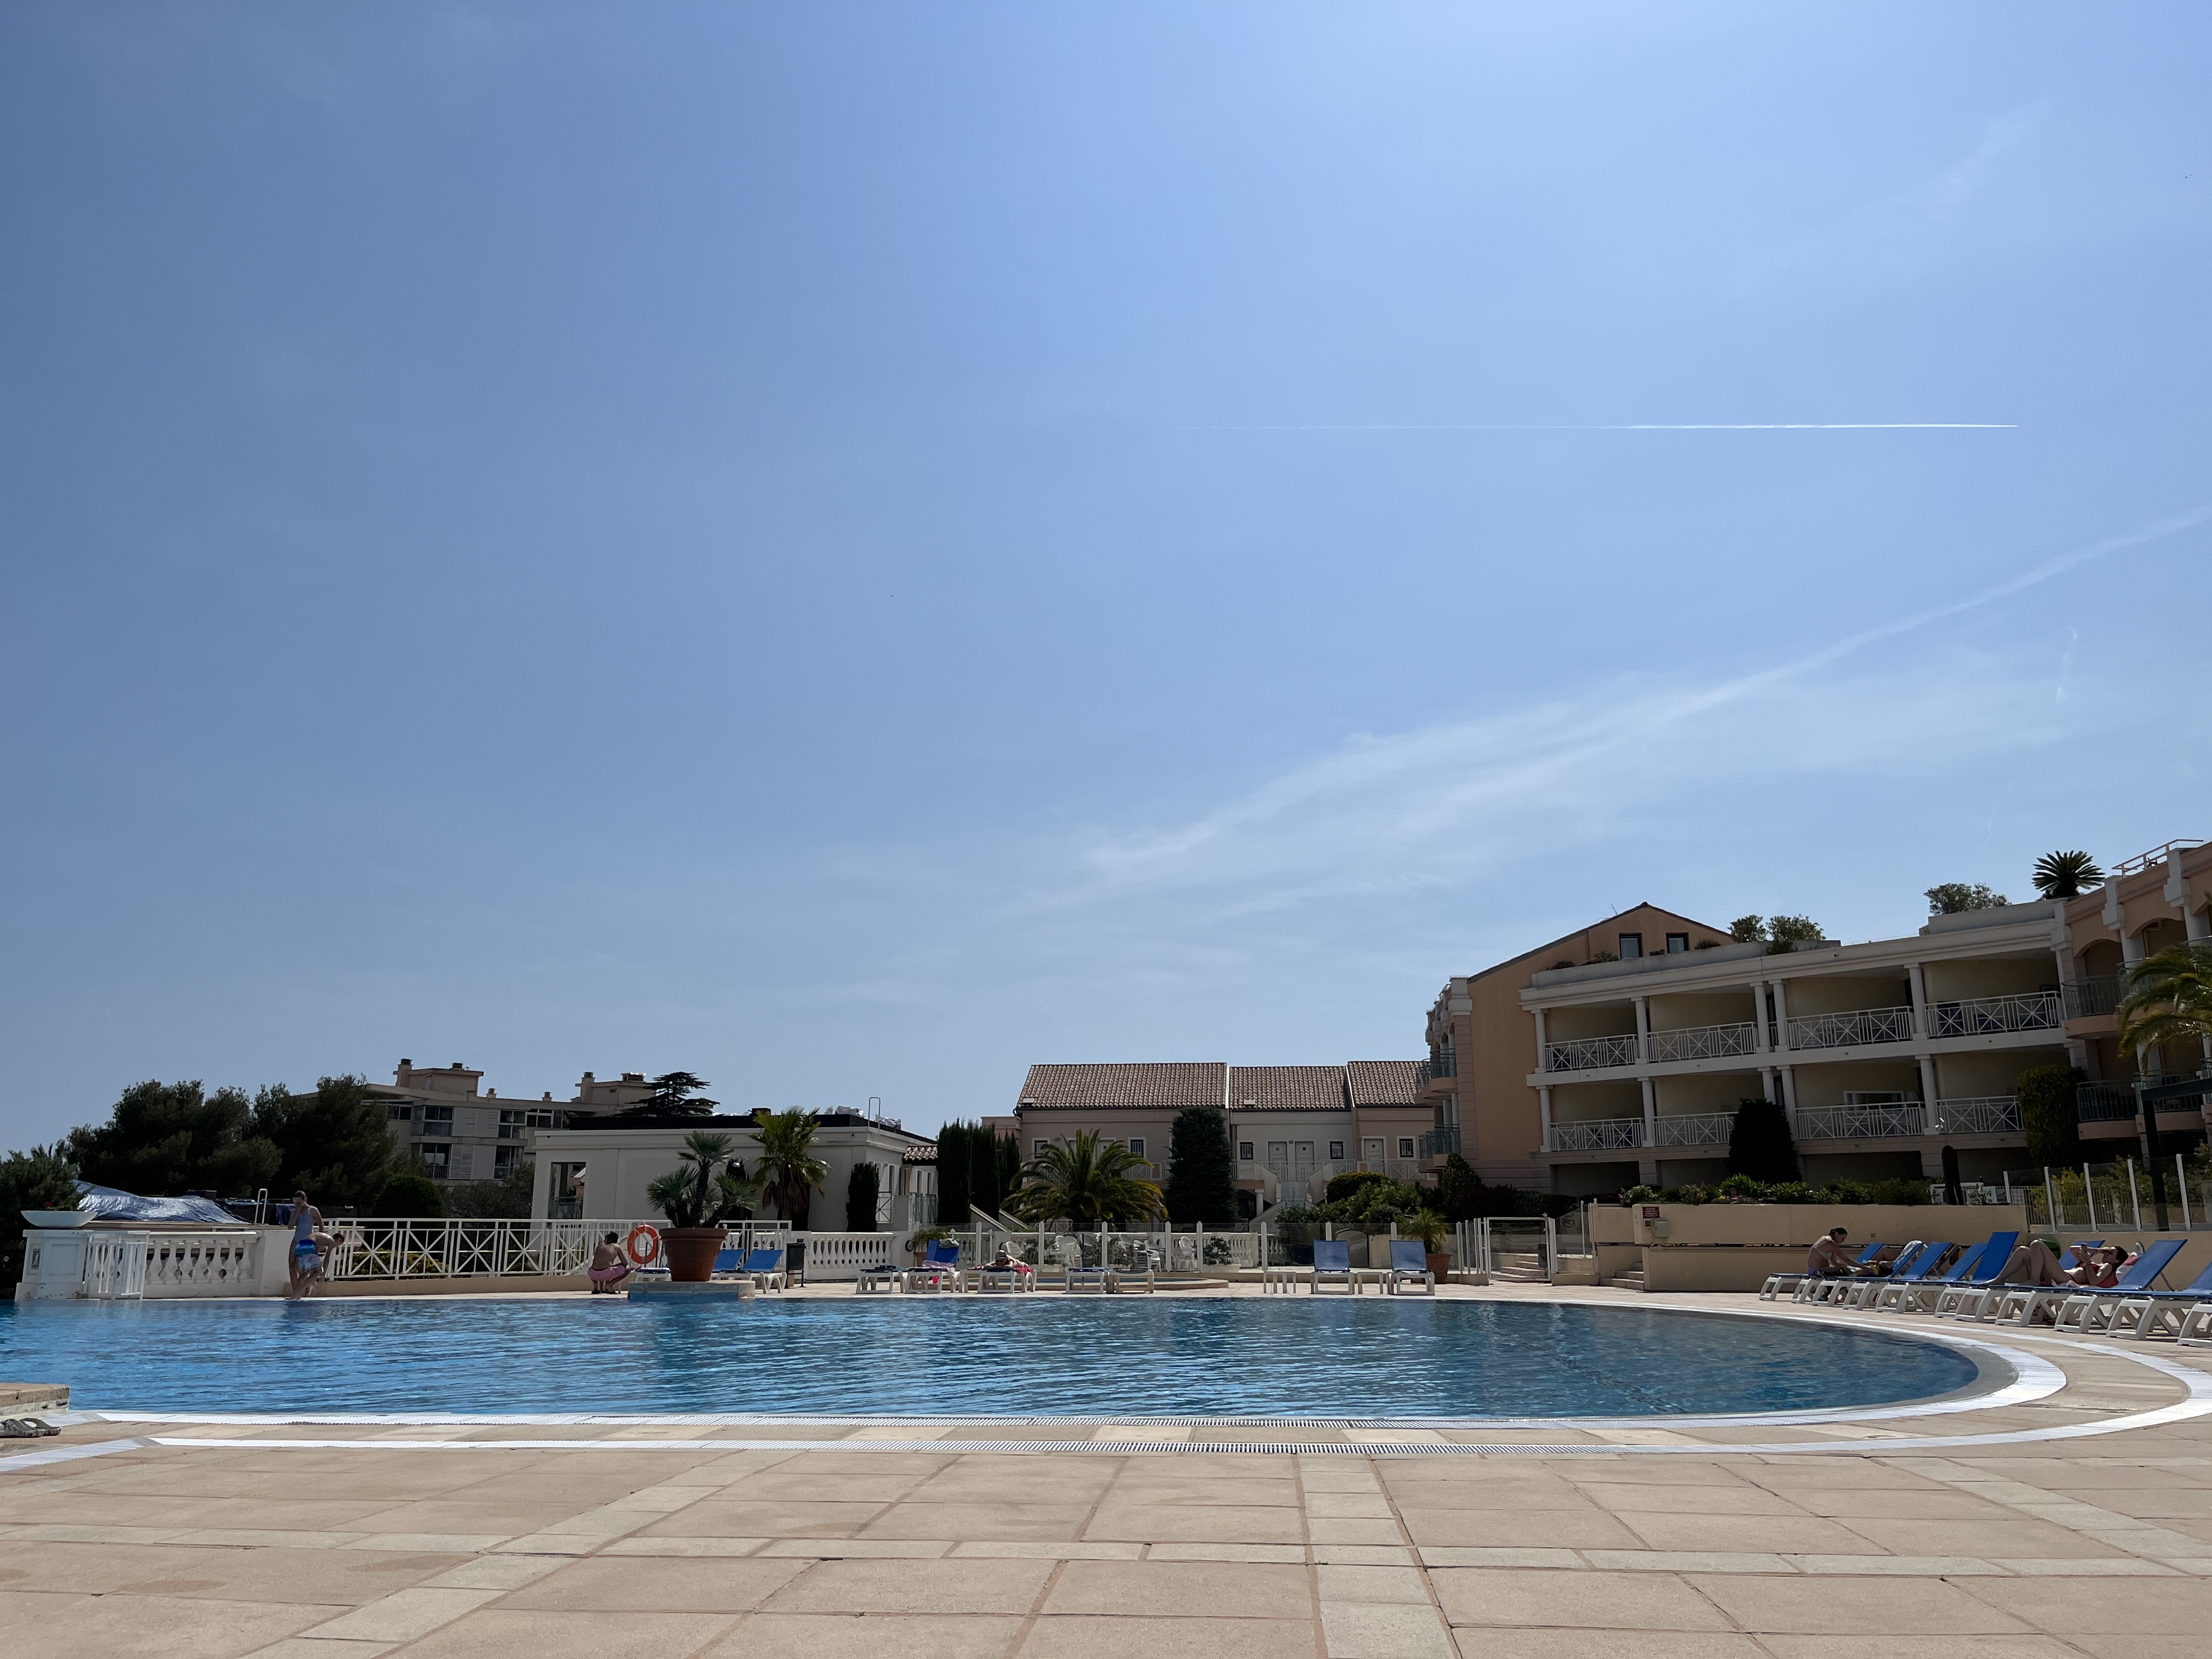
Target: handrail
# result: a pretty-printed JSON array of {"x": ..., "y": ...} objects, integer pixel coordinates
[
  {"x": 1587, "y": 1053},
  {"x": 1695, "y": 1129},
  {"x": 2031, "y": 1011},
  {"x": 1977, "y": 1114},
  {"x": 1906, "y": 1117},
  {"x": 1597, "y": 1134},
  {"x": 1851, "y": 1028},
  {"x": 1705, "y": 1042}
]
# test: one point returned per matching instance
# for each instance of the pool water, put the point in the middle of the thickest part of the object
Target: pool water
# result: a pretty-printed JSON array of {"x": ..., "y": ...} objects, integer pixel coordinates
[{"x": 1373, "y": 1357}]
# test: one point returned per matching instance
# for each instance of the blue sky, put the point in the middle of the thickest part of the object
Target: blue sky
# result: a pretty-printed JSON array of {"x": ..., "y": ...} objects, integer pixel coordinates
[{"x": 851, "y": 548}]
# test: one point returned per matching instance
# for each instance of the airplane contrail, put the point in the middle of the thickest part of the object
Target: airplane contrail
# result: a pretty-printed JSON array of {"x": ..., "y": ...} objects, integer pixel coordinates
[{"x": 1654, "y": 426}]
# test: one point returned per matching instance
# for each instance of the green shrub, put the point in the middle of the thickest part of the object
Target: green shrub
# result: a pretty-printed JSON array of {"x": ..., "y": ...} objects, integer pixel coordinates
[
  {"x": 862, "y": 1188},
  {"x": 412, "y": 1197},
  {"x": 1900, "y": 1189},
  {"x": 1342, "y": 1187},
  {"x": 1760, "y": 1142},
  {"x": 2048, "y": 1115}
]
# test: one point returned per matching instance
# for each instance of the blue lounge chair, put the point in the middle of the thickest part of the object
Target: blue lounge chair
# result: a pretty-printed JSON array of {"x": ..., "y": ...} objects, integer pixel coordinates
[
  {"x": 1777, "y": 1283},
  {"x": 1409, "y": 1266},
  {"x": 1903, "y": 1296},
  {"x": 1974, "y": 1282},
  {"x": 727, "y": 1260},
  {"x": 1332, "y": 1261},
  {"x": 2158, "y": 1313},
  {"x": 2021, "y": 1304},
  {"x": 1859, "y": 1291},
  {"x": 939, "y": 1269},
  {"x": 1932, "y": 1257},
  {"x": 2092, "y": 1310},
  {"x": 1829, "y": 1287},
  {"x": 765, "y": 1269}
]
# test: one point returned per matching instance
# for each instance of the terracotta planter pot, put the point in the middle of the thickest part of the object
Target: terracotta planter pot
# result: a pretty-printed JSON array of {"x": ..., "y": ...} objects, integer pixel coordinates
[
  {"x": 1439, "y": 1264},
  {"x": 691, "y": 1252}
]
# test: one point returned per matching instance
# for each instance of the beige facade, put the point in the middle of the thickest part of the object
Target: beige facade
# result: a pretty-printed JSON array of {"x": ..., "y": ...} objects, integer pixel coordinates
[
  {"x": 1482, "y": 1044},
  {"x": 458, "y": 1130},
  {"x": 1292, "y": 1127}
]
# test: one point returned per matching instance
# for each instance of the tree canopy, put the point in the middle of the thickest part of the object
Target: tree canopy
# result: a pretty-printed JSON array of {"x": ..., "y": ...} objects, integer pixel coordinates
[
  {"x": 335, "y": 1143},
  {"x": 1760, "y": 1145},
  {"x": 1953, "y": 898},
  {"x": 165, "y": 1139},
  {"x": 2066, "y": 875},
  {"x": 675, "y": 1094},
  {"x": 1084, "y": 1182},
  {"x": 1201, "y": 1168},
  {"x": 787, "y": 1167}
]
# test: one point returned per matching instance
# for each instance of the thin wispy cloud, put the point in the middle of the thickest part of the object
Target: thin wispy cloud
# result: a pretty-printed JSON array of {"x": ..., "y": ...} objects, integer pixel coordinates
[{"x": 1642, "y": 426}]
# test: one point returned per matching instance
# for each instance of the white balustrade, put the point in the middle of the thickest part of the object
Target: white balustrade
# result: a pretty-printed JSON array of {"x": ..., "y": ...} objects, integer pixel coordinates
[
  {"x": 1852, "y": 1029},
  {"x": 1907, "y": 1117},
  {"x": 1598, "y": 1134},
  {"x": 1695, "y": 1129},
  {"x": 1977, "y": 1114},
  {"x": 2038, "y": 1011},
  {"x": 1589, "y": 1054},
  {"x": 114, "y": 1264},
  {"x": 1704, "y": 1042}
]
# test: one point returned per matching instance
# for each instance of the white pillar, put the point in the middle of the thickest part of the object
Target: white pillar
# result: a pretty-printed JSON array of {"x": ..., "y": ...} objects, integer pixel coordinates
[
  {"x": 1782, "y": 1016},
  {"x": 1543, "y": 1043},
  {"x": 1651, "y": 1112},
  {"x": 1927, "y": 1096},
  {"x": 2131, "y": 949},
  {"x": 1543, "y": 1095},
  {"x": 1789, "y": 1095},
  {"x": 1759, "y": 1045},
  {"x": 1642, "y": 1028},
  {"x": 1923, "y": 1024}
]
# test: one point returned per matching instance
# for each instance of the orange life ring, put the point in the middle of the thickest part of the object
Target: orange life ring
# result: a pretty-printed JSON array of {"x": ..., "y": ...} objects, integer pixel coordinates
[{"x": 643, "y": 1244}]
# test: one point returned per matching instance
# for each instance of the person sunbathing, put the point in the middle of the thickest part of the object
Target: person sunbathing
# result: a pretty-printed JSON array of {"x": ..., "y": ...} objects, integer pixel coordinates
[{"x": 2036, "y": 1263}]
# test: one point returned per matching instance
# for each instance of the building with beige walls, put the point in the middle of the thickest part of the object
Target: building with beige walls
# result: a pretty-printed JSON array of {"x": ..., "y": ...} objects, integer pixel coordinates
[
  {"x": 443, "y": 1119},
  {"x": 1292, "y": 1127},
  {"x": 1482, "y": 1044}
]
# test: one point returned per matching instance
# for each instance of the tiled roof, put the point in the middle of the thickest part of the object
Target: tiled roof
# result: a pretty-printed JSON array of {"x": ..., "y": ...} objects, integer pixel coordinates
[
  {"x": 1172, "y": 1084},
  {"x": 1384, "y": 1082},
  {"x": 1286, "y": 1089}
]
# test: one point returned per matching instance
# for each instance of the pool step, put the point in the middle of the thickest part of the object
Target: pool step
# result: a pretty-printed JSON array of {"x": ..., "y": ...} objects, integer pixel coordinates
[
  {"x": 1630, "y": 1280},
  {"x": 1518, "y": 1266}
]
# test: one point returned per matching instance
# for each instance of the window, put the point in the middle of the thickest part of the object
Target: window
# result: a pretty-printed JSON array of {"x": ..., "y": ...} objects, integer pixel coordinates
[
  {"x": 1677, "y": 944},
  {"x": 512, "y": 1124},
  {"x": 1137, "y": 1145},
  {"x": 503, "y": 1160},
  {"x": 1335, "y": 1152},
  {"x": 437, "y": 1120},
  {"x": 1037, "y": 1148},
  {"x": 1632, "y": 946},
  {"x": 1405, "y": 1146},
  {"x": 436, "y": 1160},
  {"x": 402, "y": 1112},
  {"x": 1244, "y": 1151}
]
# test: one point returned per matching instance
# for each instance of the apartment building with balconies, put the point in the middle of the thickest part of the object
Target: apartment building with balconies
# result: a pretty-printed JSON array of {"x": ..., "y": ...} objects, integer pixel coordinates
[
  {"x": 2148, "y": 903},
  {"x": 1293, "y": 1128},
  {"x": 440, "y": 1121},
  {"x": 1883, "y": 1053},
  {"x": 1482, "y": 1045}
]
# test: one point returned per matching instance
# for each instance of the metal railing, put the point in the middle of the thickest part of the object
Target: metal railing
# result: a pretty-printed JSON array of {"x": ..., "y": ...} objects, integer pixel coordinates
[
  {"x": 1695, "y": 1129},
  {"x": 1441, "y": 1062},
  {"x": 1860, "y": 1122},
  {"x": 2110, "y": 1101},
  {"x": 1705, "y": 1042},
  {"x": 465, "y": 1249},
  {"x": 1440, "y": 1143},
  {"x": 2034, "y": 1011},
  {"x": 1598, "y": 1134},
  {"x": 2142, "y": 861},
  {"x": 1585, "y": 1054},
  {"x": 2091, "y": 998},
  {"x": 1850, "y": 1028},
  {"x": 1977, "y": 1115}
]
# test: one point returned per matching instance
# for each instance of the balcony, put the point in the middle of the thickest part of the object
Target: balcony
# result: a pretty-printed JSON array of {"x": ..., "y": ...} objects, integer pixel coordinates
[
  {"x": 1439, "y": 1143},
  {"x": 1977, "y": 1114},
  {"x": 1903, "y": 1118},
  {"x": 2111, "y": 1102},
  {"x": 1590, "y": 1054},
  {"x": 1695, "y": 1129},
  {"x": 1598, "y": 1134},
  {"x": 1850, "y": 1030},
  {"x": 2038, "y": 1011},
  {"x": 1706, "y": 1043},
  {"x": 2092, "y": 998},
  {"x": 1443, "y": 1062}
]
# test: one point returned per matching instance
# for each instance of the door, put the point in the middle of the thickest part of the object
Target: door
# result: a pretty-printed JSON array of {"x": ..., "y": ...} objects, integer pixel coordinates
[{"x": 1371, "y": 1153}]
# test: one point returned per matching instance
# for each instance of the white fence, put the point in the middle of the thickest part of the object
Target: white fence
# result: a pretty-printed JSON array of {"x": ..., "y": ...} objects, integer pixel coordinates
[
  {"x": 464, "y": 1249},
  {"x": 104, "y": 1264}
]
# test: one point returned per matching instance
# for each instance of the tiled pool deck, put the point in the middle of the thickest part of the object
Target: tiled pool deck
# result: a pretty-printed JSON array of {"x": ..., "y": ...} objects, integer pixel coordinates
[{"x": 819, "y": 1541}]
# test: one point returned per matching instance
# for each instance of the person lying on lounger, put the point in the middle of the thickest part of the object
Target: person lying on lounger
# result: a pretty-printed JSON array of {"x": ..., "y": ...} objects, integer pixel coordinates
[{"x": 2036, "y": 1263}]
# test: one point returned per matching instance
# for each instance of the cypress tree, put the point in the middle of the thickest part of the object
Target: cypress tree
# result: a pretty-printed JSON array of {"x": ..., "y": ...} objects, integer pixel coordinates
[
  {"x": 1201, "y": 1168},
  {"x": 955, "y": 1174},
  {"x": 983, "y": 1171},
  {"x": 1760, "y": 1145},
  {"x": 1009, "y": 1166},
  {"x": 2048, "y": 1115},
  {"x": 861, "y": 1194}
]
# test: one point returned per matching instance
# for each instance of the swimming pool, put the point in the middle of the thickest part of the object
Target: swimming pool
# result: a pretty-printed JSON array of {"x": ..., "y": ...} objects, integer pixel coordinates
[{"x": 1379, "y": 1357}]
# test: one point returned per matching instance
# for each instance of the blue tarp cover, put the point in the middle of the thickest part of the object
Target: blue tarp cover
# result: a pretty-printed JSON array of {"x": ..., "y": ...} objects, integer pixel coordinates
[{"x": 109, "y": 1204}]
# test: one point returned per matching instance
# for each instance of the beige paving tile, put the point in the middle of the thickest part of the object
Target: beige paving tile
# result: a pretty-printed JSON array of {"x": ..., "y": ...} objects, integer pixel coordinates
[
  {"x": 143, "y": 1627},
  {"x": 404, "y": 1614},
  {"x": 1077, "y": 1635},
  {"x": 1689, "y": 1561},
  {"x": 1860, "y": 1606},
  {"x": 494, "y": 1572},
  {"x": 1349, "y": 1506},
  {"x": 1322, "y": 1530},
  {"x": 1491, "y": 1643},
  {"x": 1037, "y": 1549},
  {"x": 764, "y": 1518},
  {"x": 719, "y": 1548},
  {"x": 1243, "y": 1492},
  {"x": 2016, "y": 1534},
  {"x": 1365, "y": 1555},
  {"x": 1705, "y": 1498},
  {"x": 1908, "y": 1567},
  {"x": 1295, "y": 1554},
  {"x": 1215, "y": 1523},
  {"x": 668, "y": 1584},
  {"x": 920, "y": 1519},
  {"x": 1381, "y": 1630},
  {"x": 2136, "y": 1646},
  {"x": 949, "y": 1586},
  {"x": 838, "y": 1635},
  {"x": 785, "y": 1482},
  {"x": 1590, "y": 1601},
  {"x": 1449, "y": 1555},
  {"x": 1397, "y": 1584},
  {"x": 316, "y": 1647},
  {"x": 499, "y": 1634},
  {"x": 2105, "y": 1608},
  {"x": 1588, "y": 1527},
  {"x": 857, "y": 1549},
  {"x": 1518, "y": 1496},
  {"x": 1185, "y": 1589},
  {"x": 1894, "y": 1504},
  {"x": 1923, "y": 1647},
  {"x": 1802, "y": 1534}
]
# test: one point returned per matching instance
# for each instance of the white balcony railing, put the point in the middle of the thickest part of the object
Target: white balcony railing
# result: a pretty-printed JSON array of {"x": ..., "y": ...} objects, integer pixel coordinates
[
  {"x": 1706, "y": 1043},
  {"x": 1598, "y": 1134},
  {"x": 1695, "y": 1129},
  {"x": 1587, "y": 1053},
  {"x": 1907, "y": 1117},
  {"x": 2037, "y": 1011},
  {"x": 1977, "y": 1114},
  {"x": 464, "y": 1248},
  {"x": 1849, "y": 1030}
]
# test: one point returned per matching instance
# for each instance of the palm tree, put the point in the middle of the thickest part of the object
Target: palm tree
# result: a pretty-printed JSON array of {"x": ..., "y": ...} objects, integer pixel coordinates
[
  {"x": 2169, "y": 999},
  {"x": 1085, "y": 1181},
  {"x": 788, "y": 1163},
  {"x": 2066, "y": 875},
  {"x": 695, "y": 1193}
]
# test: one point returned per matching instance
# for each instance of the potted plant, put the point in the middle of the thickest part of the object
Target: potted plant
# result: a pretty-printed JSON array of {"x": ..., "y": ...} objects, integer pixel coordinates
[
  {"x": 920, "y": 1244},
  {"x": 1432, "y": 1229},
  {"x": 698, "y": 1197}
]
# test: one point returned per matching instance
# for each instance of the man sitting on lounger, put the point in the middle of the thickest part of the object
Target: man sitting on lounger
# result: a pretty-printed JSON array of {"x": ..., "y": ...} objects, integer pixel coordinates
[
  {"x": 1830, "y": 1256},
  {"x": 609, "y": 1266}
]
